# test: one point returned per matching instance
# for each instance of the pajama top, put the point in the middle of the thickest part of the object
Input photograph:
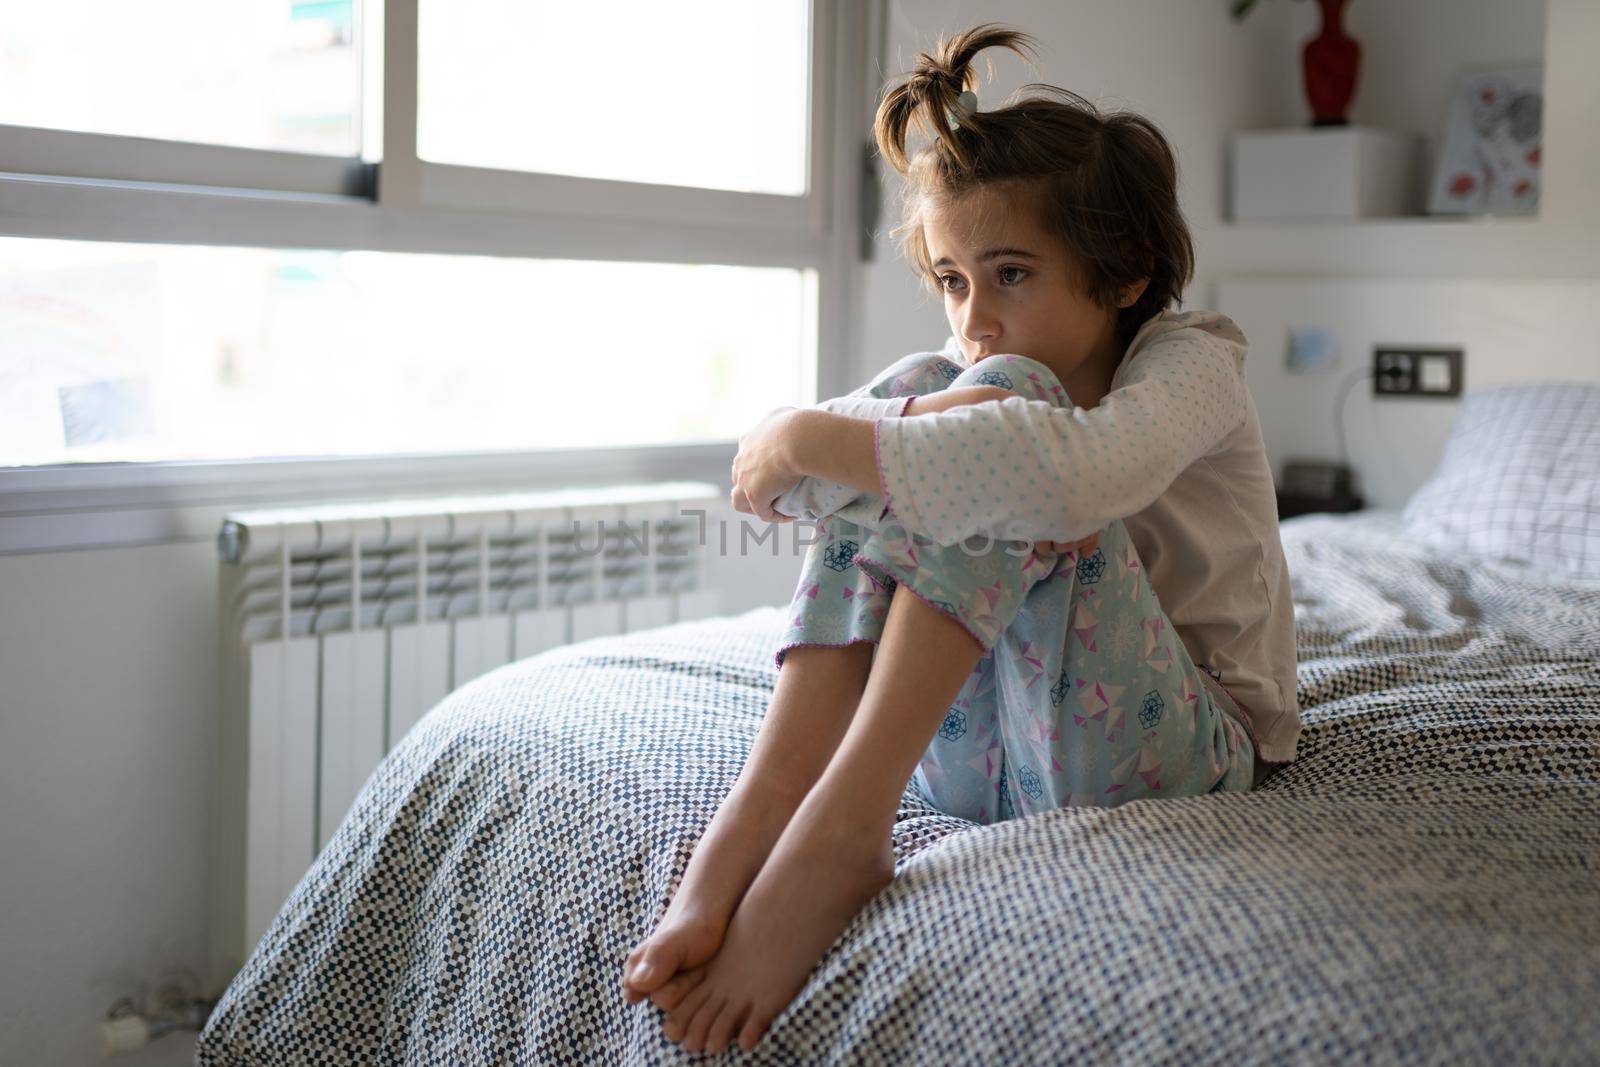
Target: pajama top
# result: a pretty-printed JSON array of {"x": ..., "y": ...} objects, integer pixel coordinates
[{"x": 1174, "y": 449}]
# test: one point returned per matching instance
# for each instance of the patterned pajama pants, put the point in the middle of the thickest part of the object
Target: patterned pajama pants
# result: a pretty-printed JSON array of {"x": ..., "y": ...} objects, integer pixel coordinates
[{"x": 1084, "y": 694}]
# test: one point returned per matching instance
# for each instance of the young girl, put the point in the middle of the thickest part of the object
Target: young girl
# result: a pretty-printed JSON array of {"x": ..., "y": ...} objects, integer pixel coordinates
[{"x": 1049, "y": 573}]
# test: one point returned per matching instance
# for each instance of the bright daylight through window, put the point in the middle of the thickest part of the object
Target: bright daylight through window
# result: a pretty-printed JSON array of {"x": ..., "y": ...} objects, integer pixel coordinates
[{"x": 115, "y": 350}]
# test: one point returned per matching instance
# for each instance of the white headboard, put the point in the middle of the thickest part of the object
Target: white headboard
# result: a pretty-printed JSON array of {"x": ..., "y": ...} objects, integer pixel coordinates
[{"x": 1512, "y": 331}]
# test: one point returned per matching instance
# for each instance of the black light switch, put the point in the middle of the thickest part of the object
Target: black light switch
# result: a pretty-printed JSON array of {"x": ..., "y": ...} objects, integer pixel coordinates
[{"x": 1415, "y": 372}]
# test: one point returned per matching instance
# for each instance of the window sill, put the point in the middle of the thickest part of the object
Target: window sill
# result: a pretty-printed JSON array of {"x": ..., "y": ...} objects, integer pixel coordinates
[{"x": 106, "y": 505}]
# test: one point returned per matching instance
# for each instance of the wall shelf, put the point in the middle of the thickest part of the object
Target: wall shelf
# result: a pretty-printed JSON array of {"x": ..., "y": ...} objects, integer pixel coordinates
[
  {"x": 1475, "y": 223},
  {"x": 1507, "y": 247}
]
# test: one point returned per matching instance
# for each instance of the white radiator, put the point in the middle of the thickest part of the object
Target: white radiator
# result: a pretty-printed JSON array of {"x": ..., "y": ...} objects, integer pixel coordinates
[{"x": 342, "y": 625}]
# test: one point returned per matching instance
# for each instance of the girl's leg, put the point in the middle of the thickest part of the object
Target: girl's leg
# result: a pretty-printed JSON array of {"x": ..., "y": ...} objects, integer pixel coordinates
[
  {"x": 1130, "y": 716},
  {"x": 812, "y": 704},
  {"x": 981, "y": 586},
  {"x": 835, "y": 854},
  {"x": 823, "y": 657}
]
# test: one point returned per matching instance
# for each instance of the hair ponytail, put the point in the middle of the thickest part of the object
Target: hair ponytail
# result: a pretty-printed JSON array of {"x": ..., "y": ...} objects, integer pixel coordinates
[{"x": 930, "y": 93}]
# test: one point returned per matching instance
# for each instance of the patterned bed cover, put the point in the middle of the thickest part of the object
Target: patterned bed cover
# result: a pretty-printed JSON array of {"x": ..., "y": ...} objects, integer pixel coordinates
[{"x": 1420, "y": 886}]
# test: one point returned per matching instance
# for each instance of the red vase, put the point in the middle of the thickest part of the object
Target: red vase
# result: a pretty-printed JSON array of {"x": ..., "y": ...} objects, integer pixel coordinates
[{"x": 1330, "y": 61}]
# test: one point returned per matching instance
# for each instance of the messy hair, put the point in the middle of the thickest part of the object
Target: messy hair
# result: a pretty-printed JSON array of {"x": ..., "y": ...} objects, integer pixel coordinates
[{"x": 1104, "y": 184}]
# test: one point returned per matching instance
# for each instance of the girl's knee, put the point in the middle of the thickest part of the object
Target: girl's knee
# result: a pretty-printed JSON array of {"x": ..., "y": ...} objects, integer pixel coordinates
[
  {"x": 917, "y": 375},
  {"x": 1016, "y": 374}
]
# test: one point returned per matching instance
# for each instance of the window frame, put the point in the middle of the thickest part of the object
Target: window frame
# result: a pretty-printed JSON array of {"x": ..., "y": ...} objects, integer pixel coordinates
[{"x": 87, "y": 186}]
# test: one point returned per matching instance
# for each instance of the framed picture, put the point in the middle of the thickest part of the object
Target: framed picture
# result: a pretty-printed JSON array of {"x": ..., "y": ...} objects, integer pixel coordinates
[{"x": 1489, "y": 157}]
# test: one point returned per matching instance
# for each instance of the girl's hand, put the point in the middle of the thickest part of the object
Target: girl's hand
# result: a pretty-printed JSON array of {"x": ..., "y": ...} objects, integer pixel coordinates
[
  {"x": 1082, "y": 547},
  {"x": 762, "y": 469}
]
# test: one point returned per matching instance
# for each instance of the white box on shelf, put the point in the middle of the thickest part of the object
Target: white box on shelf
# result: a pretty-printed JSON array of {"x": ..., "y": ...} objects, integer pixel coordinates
[{"x": 1330, "y": 172}]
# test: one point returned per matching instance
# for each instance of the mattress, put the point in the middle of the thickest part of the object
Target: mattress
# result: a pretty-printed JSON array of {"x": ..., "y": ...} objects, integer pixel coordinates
[{"x": 1419, "y": 886}]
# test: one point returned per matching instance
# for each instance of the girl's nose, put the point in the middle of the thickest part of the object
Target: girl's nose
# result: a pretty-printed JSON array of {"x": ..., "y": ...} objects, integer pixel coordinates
[{"x": 980, "y": 327}]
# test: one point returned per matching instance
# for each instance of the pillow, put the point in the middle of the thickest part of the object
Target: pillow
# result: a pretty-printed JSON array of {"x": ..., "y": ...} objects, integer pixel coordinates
[{"x": 1519, "y": 479}]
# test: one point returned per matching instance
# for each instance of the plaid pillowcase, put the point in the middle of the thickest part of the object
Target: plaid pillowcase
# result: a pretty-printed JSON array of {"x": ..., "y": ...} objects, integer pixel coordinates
[{"x": 1519, "y": 479}]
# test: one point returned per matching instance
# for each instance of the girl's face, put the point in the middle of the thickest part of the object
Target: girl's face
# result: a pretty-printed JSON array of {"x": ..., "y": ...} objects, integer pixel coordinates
[{"x": 1009, "y": 288}]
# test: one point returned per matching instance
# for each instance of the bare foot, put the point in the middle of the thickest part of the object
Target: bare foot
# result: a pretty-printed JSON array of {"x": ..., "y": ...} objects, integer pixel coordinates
[
  {"x": 818, "y": 877},
  {"x": 666, "y": 965}
]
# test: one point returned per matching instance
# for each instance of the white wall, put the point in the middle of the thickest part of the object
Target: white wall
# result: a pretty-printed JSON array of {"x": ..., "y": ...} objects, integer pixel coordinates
[
  {"x": 107, "y": 684},
  {"x": 1512, "y": 332},
  {"x": 107, "y": 657}
]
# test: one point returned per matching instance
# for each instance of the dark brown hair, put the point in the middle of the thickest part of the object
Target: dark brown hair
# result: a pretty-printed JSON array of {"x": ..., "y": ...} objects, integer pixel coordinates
[{"x": 1106, "y": 185}]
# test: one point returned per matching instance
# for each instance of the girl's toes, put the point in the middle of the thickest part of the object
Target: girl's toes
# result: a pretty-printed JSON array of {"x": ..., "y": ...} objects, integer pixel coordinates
[
  {"x": 676, "y": 1024},
  {"x": 700, "y": 1025},
  {"x": 653, "y": 966},
  {"x": 631, "y": 993},
  {"x": 755, "y": 1025},
  {"x": 671, "y": 995},
  {"x": 676, "y": 947},
  {"x": 724, "y": 1026}
]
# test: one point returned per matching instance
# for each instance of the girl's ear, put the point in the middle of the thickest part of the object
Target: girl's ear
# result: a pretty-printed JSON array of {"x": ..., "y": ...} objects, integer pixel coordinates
[{"x": 1130, "y": 294}]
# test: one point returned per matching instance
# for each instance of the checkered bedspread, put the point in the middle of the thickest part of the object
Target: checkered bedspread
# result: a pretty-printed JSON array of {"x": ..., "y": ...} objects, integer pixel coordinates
[{"x": 1421, "y": 886}]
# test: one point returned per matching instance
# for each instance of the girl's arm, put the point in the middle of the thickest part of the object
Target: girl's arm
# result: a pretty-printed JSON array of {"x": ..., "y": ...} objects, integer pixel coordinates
[
  {"x": 813, "y": 496},
  {"x": 794, "y": 443},
  {"x": 1063, "y": 473}
]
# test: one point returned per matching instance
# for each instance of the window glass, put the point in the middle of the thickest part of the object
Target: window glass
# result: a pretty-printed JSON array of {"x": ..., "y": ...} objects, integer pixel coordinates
[
  {"x": 281, "y": 74},
  {"x": 158, "y": 352},
  {"x": 710, "y": 94}
]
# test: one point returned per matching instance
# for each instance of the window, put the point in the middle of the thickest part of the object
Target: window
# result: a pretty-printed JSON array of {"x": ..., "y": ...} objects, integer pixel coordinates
[
  {"x": 263, "y": 75},
  {"x": 690, "y": 102},
  {"x": 340, "y": 228},
  {"x": 159, "y": 352}
]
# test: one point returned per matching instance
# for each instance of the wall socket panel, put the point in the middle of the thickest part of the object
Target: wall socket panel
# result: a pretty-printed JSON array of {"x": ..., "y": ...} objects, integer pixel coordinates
[{"x": 1411, "y": 371}]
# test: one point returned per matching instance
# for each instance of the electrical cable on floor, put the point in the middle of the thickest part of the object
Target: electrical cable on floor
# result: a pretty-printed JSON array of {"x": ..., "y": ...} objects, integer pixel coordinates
[{"x": 130, "y": 1024}]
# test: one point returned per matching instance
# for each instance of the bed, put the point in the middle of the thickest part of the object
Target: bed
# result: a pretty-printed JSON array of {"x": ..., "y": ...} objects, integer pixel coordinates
[{"x": 1421, "y": 886}]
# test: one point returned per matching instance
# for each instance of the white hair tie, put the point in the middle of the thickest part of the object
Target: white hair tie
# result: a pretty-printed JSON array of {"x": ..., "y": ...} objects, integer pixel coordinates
[{"x": 966, "y": 107}]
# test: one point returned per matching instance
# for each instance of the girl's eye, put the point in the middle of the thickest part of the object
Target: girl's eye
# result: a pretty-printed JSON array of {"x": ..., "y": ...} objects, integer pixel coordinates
[{"x": 1005, "y": 272}]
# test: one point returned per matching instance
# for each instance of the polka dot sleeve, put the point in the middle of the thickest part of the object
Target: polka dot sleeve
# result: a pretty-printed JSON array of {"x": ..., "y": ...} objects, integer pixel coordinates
[
  {"x": 866, "y": 407},
  {"x": 1018, "y": 468}
]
